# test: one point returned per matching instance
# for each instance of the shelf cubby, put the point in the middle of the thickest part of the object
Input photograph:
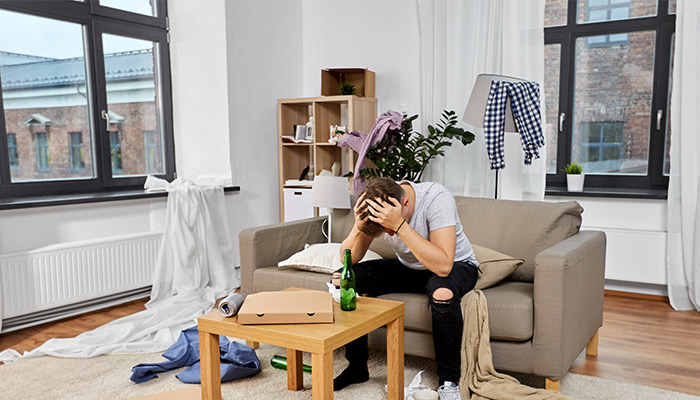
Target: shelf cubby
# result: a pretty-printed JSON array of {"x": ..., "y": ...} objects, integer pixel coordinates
[{"x": 357, "y": 113}]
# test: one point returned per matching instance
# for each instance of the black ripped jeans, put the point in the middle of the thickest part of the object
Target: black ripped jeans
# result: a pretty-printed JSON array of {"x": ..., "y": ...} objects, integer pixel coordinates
[{"x": 378, "y": 277}]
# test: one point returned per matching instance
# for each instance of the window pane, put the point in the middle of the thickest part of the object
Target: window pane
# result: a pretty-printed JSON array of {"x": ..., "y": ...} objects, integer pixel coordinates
[
  {"x": 44, "y": 90},
  {"x": 77, "y": 160},
  {"x": 667, "y": 142},
  {"x": 146, "y": 7},
  {"x": 115, "y": 151},
  {"x": 555, "y": 12},
  {"x": 552, "y": 59},
  {"x": 42, "y": 151},
  {"x": 612, "y": 103},
  {"x": 672, "y": 7},
  {"x": 612, "y": 10},
  {"x": 132, "y": 97},
  {"x": 12, "y": 150}
]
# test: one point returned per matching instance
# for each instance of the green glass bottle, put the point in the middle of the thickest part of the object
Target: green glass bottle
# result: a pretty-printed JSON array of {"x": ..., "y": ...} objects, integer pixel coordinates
[
  {"x": 347, "y": 284},
  {"x": 280, "y": 362}
]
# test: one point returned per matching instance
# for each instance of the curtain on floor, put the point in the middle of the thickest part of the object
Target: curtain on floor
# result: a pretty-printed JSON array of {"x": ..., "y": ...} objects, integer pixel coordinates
[
  {"x": 683, "y": 260},
  {"x": 458, "y": 41},
  {"x": 194, "y": 267}
]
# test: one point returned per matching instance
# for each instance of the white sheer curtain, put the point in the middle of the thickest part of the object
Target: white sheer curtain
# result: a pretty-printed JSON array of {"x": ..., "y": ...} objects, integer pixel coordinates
[
  {"x": 684, "y": 185},
  {"x": 460, "y": 40}
]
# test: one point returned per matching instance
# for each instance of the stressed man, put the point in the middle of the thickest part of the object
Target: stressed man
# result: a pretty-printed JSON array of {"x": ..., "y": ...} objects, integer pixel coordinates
[{"x": 433, "y": 255}]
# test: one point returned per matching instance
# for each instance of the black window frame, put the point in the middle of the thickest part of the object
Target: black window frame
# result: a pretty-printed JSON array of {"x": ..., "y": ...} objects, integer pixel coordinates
[
  {"x": 663, "y": 24},
  {"x": 97, "y": 20}
]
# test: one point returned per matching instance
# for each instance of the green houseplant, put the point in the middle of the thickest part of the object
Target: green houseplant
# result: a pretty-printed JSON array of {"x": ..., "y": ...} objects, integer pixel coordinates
[
  {"x": 347, "y": 88},
  {"x": 404, "y": 153},
  {"x": 573, "y": 169},
  {"x": 574, "y": 177}
]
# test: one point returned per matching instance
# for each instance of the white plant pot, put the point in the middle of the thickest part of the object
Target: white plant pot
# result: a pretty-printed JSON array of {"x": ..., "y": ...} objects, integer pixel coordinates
[{"x": 574, "y": 182}]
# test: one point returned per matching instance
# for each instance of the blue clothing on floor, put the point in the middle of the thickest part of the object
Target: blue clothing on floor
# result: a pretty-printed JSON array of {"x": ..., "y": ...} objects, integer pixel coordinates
[{"x": 237, "y": 360}]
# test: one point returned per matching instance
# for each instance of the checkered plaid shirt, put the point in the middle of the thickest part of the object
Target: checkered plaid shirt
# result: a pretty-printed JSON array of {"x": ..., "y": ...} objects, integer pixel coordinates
[{"x": 525, "y": 101}]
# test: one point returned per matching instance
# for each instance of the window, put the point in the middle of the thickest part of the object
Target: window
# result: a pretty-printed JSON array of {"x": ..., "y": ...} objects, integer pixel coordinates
[
  {"x": 607, "y": 10},
  {"x": 601, "y": 145},
  {"x": 115, "y": 151},
  {"x": 70, "y": 70},
  {"x": 12, "y": 150},
  {"x": 77, "y": 158},
  {"x": 42, "y": 152},
  {"x": 607, "y": 100}
]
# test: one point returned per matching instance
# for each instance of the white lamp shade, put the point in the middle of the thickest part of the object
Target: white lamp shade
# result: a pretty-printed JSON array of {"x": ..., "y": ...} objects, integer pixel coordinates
[
  {"x": 476, "y": 108},
  {"x": 330, "y": 192}
]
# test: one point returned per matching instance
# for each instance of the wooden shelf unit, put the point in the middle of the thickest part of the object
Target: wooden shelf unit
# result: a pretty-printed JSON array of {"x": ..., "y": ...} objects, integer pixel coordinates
[{"x": 357, "y": 113}]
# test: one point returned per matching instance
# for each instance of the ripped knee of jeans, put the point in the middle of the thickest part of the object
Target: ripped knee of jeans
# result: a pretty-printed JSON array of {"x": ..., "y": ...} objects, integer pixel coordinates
[
  {"x": 444, "y": 305},
  {"x": 442, "y": 295}
]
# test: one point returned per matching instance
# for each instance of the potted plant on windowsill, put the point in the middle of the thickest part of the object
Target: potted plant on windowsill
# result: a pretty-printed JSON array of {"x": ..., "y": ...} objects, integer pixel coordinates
[{"x": 574, "y": 177}]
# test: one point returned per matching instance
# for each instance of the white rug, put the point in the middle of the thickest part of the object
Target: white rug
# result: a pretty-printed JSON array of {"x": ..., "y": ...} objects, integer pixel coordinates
[{"x": 107, "y": 378}]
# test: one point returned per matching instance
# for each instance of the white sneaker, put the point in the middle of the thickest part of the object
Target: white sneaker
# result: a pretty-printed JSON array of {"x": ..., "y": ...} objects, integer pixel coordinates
[{"x": 449, "y": 391}]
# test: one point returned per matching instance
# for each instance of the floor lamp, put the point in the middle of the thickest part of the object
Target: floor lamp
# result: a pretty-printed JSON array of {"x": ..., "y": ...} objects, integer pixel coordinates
[
  {"x": 330, "y": 192},
  {"x": 476, "y": 107}
]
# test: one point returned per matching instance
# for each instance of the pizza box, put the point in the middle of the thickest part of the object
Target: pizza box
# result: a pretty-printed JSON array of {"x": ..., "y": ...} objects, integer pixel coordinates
[{"x": 287, "y": 307}]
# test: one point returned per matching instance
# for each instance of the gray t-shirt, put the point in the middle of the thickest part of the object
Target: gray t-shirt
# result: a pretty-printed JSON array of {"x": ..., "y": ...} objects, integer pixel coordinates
[{"x": 435, "y": 208}]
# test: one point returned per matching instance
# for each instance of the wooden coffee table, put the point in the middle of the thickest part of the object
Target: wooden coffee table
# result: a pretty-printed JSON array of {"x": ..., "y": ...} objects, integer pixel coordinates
[{"x": 318, "y": 339}]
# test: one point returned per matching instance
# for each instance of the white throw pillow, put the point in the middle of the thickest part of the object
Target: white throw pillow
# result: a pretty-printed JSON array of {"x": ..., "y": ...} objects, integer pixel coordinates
[{"x": 321, "y": 257}]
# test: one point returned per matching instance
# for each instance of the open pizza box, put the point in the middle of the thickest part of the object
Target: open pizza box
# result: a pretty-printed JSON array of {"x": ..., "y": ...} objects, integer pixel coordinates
[{"x": 287, "y": 307}]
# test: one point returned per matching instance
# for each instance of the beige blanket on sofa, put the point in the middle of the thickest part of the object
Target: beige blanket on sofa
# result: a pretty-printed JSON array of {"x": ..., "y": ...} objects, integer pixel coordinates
[{"x": 479, "y": 378}]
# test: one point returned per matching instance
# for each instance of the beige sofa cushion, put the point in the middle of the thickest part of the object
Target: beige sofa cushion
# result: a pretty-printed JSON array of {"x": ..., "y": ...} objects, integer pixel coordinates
[
  {"x": 519, "y": 228},
  {"x": 511, "y": 311},
  {"x": 274, "y": 278}
]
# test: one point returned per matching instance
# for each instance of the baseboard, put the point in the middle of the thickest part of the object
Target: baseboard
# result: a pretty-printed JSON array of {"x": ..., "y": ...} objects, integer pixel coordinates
[
  {"x": 635, "y": 289},
  {"x": 54, "y": 314}
]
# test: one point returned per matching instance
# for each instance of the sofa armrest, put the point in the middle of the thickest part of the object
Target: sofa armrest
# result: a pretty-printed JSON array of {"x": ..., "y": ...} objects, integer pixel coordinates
[
  {"x": 265, "y": 246},
  {"x": 568, "y": 297}
]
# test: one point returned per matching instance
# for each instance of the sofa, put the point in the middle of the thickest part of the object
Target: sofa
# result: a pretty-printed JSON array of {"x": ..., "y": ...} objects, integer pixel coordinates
[{"x": 541, "y": 316}]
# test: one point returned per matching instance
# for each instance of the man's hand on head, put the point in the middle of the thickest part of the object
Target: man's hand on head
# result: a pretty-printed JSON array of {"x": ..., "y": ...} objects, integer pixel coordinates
[
  {"x": 385, "y": 213},
  {"x": 359, "y": 208}
]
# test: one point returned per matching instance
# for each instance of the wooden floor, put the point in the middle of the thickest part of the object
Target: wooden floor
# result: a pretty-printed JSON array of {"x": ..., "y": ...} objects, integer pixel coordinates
[{"x": 642, "y": 341}]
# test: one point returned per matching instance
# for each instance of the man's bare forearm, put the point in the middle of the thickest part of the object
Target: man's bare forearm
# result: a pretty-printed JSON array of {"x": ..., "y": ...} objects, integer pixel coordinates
[
  {"x": 429, "y": 254},
  {"x": 358, "y": 243}
]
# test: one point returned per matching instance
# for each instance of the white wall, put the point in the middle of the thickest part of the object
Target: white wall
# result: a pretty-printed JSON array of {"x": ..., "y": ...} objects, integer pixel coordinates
[
  {"x": 381, "y": 35},
  {"x": 199, "y": 82},
  {"x": 32, "y": 228},
  {"x": 264, "y": 54},
  {"x": 636, "y": 233}
]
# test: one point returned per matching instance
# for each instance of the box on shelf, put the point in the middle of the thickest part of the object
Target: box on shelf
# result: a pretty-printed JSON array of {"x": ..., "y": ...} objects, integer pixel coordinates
[{"x": 333, "y": 78}]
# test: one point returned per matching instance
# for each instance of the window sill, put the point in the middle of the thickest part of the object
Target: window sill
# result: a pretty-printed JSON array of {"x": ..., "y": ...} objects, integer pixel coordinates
[
  {"x": 61, "y": 200},
  {"x": 661, "y": 194}
]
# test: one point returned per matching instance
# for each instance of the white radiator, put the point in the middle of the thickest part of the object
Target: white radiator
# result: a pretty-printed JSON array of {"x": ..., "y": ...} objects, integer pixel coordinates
[
  {"x": 60, "y": 280},
  {"x": 635, "y": 255}
]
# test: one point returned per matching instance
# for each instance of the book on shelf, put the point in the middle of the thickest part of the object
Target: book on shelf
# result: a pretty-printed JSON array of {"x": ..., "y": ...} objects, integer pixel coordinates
[{"x": 292, "y": 139}]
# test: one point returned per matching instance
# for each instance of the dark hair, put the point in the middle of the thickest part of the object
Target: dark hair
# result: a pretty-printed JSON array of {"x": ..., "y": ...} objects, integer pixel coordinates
[{"x": 382, "y": 188}]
